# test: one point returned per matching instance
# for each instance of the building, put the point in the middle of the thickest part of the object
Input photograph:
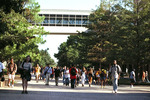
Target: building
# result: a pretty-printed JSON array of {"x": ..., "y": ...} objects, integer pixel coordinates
[{"x": 67, "y": 22}]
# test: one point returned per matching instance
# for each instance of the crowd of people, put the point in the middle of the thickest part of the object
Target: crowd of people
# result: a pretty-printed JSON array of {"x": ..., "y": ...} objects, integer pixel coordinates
[{"x": 72, "y": 74}]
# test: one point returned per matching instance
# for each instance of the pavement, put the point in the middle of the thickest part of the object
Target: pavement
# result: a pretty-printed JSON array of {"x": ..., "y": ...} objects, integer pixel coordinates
[{"x": 39, "y": 91}]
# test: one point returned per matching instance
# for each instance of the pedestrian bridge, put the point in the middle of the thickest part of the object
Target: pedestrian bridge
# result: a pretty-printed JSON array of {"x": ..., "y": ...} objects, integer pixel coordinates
[{"x": 65, "y": 22}]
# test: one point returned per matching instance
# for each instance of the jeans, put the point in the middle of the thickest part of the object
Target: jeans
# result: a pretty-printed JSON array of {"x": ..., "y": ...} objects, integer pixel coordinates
[
  {"x": 56, "y": 80},
  {"x": 72, "y": 83},
  {"x": 64, "y": 79},
  {"x": 115, "y": 83},
  {"x": 47, "y": 78}
]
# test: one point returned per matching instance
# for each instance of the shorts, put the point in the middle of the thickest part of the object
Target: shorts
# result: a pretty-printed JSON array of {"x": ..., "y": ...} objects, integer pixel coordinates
[
  {"x": 10, "y": 76},
  {"x": 37, "y": 74},
  {"x": 103, "y": 78},
  {"x": 132, "y": 80},
  {"x": 1, "y": 74}
]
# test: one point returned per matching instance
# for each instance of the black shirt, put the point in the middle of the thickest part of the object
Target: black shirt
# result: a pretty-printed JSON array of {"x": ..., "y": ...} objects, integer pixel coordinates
[{"x": 57, "y": 72}]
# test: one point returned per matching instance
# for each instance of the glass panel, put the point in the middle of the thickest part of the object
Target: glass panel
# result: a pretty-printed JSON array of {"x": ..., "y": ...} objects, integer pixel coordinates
[
  {"x": 59, "y": 16},
  {"x": 65, "y": 16},
  {"x": 45, "y": 20},
  {"x": 85, "y": 17},
  {"x": 65, "y": 21},
  {"x": 72, "y": 21},
  {"x": 84, "y": 22},
  {"x": 52, "y": 16},
  {"x": 52, "y": 20},
  {"x": 59, "y": 21},
  {"x": 78, "y": 21}
]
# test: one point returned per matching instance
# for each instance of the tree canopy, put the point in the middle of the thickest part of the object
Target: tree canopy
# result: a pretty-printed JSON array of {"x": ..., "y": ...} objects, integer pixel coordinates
[
  {"x": 18, "y": 37},
  {"x": 116, "y": 31}
]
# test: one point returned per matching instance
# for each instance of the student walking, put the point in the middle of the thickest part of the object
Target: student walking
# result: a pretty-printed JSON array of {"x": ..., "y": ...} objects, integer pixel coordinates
[
  {"x": 90, "y": 75},
  {"x": 47, "y": 73},
  {"x": 115, "y": 73},
  {"x": 67, "y": 76},
  {"x": 57, "y": 74},
  {"x": 12, "y": 69},
  {"x": 146, "y": 77},
  {"x": 73, "y": 73},
  {"x": 1, "y": 71},
  {"x": 37, "y": 71},
  {"x": 143, "y": 76},
  {"x": 132, "y": 78},
  {"x": 103, "y": 78},
  {"x": 26, "y": 68},
  {"x": 83, "y": 73}
]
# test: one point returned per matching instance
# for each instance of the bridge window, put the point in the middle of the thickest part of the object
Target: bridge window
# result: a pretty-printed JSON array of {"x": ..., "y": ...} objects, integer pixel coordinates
[
  {"x": 52, "y": 20},
  {"x": 45, "y": 20},
  {"x": 64, "y": 20},
  {"x": 59, "y": 21},
  {"x": 72, "y": 21}
]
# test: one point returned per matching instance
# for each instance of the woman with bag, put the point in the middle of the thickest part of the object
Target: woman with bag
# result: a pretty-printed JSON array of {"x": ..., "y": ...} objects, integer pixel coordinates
[{"x": 26, "y": 68}]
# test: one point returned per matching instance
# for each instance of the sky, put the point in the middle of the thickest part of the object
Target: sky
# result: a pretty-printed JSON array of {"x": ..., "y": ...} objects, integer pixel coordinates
[{"x": 54, "y": 41}]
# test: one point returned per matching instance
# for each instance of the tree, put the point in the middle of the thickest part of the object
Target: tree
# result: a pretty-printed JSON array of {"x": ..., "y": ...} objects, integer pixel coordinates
[
  {"x": 45, "y": 58},
  {"x": 17, "y": 36}
]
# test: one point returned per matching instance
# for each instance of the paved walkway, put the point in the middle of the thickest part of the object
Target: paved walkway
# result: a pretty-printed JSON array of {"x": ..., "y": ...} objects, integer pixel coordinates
[{"x": 39, "y": 91}]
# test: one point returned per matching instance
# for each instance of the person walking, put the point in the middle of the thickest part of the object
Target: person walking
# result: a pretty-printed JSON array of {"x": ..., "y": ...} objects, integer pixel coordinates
[
  {"x": 73, "y": 73},
  {"x": 90, "y": 76},
  {"x": 143, "y": 76},
  {"x": 132, "y": 78},
  {"x": 52, "y": 75},
  {"x": 63, "y": 73},
  {"x": 26, "y": 67},
  {"x": 67, "y": 76},
  {"x": 1, "y": 71},
  {"x": 37, "y": 72},
  {"x": 115, "y": 71},
  {"x": 103, "y": 78},
  {"x": 98, "y": 76},
  {"x": 83, "y": 76},
  {"x": 47, "y": 73},
  {"x": 57, "y": 74},
  {"x": 146, "y": 77},
  {"x": 12, "y": 69}
]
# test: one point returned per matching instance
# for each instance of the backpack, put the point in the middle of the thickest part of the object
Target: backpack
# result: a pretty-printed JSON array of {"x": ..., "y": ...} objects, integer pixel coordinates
[
  {"x": 102, "y": 74},
  {"x": 73, "y": 71}
]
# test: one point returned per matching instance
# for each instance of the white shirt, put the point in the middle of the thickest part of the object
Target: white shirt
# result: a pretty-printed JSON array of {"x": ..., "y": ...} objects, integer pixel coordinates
[
  {"x": 67, "y": 75},
  {"x": 27, "y": 66},
  {"x": 1, "y": 67},
  {"x": 114, "y": 70},
  {"x": 132, "y": 75}
]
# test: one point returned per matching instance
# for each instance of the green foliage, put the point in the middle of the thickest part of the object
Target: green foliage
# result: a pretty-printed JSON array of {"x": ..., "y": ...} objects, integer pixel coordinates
[
  {"x": 18, "y": 37},
  {"x": 116, "y": 31},
  {"x": 45, "y": 59}
]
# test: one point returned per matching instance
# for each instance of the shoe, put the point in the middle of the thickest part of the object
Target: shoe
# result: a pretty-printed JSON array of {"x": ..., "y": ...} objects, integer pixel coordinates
[
  {"x": 46, "y": 84},
  {"x": 26, "y": 92},
  {"x": 131, "y": 86},
  {"x": 8, "y": 85},
  {"x": 22, "y": 92},
  {"x": 12, "y": 86},
  {"x": 115, "y": 91},
  {"x": 89, "y": 85}
]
